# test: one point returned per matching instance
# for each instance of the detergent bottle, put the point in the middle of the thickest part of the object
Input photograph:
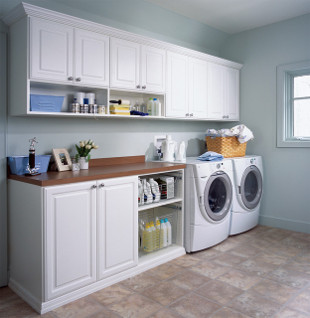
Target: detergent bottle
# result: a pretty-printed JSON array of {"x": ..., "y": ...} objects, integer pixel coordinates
[
  {"x": 168, "y": 148},
  {"x": 169, "y": 232},
  {"x": 163, "y": 234},
  {"x": 157, "y": 233},
  {"x": 153, "y": 235},
  {"x": 146, "y": 239}
]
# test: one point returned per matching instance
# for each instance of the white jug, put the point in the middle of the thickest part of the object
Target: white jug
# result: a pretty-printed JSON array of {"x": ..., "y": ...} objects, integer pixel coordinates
[
  {"x": 181, "y": 155},
  {"x": 168, "y": 148}
]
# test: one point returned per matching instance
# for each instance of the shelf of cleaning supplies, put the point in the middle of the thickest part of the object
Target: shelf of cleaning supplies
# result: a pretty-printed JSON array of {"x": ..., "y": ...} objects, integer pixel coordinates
[{"x": 158, "y": 204}]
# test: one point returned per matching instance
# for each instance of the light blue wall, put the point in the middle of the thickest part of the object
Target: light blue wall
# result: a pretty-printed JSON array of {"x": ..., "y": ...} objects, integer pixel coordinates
[
  {"x": 286, "y": 199},
  {"x": 3, "y": 193}
]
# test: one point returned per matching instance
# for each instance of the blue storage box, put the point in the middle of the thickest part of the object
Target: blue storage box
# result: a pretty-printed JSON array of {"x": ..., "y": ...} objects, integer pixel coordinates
[
  {"x": 46, "y": 103},
  {"x": 18, "y": 164}
]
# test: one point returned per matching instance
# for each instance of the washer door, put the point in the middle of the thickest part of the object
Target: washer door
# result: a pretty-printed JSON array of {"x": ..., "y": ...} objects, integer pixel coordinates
[
  {"x": 218, "y": 196},
  {"x": 251, "y": 187}
]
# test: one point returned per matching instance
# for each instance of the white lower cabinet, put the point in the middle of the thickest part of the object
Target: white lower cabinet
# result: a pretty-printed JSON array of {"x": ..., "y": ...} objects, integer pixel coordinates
[
  {"x": 70, "y": 235},
  {"x": 117, "y": 225},
  {"x": 67, "y": 241}
]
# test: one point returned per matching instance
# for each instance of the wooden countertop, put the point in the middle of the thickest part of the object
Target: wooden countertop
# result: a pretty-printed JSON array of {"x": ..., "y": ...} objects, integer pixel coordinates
[{"x": 100, "y": 169}]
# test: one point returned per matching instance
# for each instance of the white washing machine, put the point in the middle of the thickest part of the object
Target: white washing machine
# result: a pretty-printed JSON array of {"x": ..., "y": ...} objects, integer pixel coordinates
[
  {"x": 208, "y": 198},
  {"x": 248, "y": 180}
]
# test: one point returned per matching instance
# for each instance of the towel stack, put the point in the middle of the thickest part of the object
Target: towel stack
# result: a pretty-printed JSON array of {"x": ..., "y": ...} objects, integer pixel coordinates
[{"x": 120, "y": 107}]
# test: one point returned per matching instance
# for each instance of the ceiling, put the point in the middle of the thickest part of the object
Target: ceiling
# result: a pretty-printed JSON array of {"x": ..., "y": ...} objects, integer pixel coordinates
[{"x": 234, "y": 16}]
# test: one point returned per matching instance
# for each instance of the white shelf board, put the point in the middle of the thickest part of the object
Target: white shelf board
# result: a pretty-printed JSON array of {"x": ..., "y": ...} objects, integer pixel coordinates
[
  {"x": 166, "y": 253},
  {"x": 160, "y": 203}
]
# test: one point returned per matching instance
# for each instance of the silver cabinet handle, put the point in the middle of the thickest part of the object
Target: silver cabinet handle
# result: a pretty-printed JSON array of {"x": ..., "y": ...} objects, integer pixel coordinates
[
  {"x": 78, "y": 79},
  {"x": 227, "y": 116},
  {"x": 101, "y": 185},
  {"x": 138, "y": 86},
  {"x": 143, "y": 87},
  {"x": 93, "y": 187},
  {"x": 187, "y": 114},
  {"x": 191, "y": 114},
  {"x": 70, "y": 78}
]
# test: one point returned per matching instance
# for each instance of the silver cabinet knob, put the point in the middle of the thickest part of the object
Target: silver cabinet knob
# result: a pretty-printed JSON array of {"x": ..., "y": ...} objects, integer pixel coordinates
[
  {"x": 227, "y": 116},
  {"x": 187, "y": 114},
  {"x": 70, "y": 78},
  {"x": 138, "y": 86},
  {"x": 143, "y": 87},
  {"x": 93, "y": 187},
  {"x": 101, "y": 185},
  {"x": 191, "y": 114},
  {"x": 78, "y": 79}
]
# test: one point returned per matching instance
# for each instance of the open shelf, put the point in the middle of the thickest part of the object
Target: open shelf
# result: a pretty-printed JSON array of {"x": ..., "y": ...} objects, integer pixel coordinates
[{"x": 158, "y": 204}]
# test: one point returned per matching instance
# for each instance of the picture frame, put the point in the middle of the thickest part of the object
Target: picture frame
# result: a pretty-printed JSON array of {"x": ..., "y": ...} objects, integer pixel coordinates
[{"x": 62, "y": 159}]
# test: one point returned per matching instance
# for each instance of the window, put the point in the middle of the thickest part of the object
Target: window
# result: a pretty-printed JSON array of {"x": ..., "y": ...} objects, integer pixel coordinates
[{"x": 293, "y": 105}]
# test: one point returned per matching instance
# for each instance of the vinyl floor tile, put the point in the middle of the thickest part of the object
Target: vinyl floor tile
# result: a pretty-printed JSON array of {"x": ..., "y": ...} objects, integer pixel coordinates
[
  {"x": 193, "y": 306},
  {"x": 272, "y": 279}
]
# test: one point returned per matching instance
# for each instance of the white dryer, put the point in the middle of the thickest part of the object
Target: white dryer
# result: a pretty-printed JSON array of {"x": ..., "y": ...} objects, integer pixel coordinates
[
  {"x": 248, "y": 180},
  {"x": 208, "y": 199}
]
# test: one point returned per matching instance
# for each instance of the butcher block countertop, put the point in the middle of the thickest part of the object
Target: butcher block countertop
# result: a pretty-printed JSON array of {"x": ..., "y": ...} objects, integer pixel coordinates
[{"x": 103, "y": 168}]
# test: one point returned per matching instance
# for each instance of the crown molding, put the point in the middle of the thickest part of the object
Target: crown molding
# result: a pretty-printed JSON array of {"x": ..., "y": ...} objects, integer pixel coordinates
[{"x": 26, "y": 9}]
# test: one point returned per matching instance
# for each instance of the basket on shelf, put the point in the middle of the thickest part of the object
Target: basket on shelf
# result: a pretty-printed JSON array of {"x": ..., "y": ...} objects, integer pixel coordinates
[{"x": 226, "y": 146}]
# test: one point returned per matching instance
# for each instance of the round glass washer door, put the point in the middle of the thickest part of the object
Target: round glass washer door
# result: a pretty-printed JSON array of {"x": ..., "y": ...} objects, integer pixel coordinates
[
  {"x": 218, "y": 196},
  {"x": 251, "y": 187}
]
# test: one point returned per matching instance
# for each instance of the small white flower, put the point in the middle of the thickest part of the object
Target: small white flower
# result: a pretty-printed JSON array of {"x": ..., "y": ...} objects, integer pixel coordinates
[
  {"x": 82, "y": 144},
  {"x": 88, "y": 146},
  {"x": 95, "y": 146}
]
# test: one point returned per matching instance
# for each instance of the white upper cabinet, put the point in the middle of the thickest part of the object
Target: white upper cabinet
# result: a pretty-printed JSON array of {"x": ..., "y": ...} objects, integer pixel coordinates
[
  {"x": 60, "y": 53},
  {"x": 198, "y": 77},
  {"x": 186, "y": 87},
  {"x": 223, "y": 92},
  {"x": 177, "y": 85},
  {"x": 117, "y": 225},
  {"x": 136, "y": 67}
]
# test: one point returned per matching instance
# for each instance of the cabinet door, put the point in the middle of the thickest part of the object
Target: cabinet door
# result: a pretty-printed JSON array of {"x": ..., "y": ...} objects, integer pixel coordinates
[
  {"x": 91, "y": 58},
  {"x": 231, "y": 93},
  {"x": 177, "y": 85},
  {"x": 51, "y": 49},
  {"x": 70, "y": 234},
  {"x": 153, "y": 71},
  {"x": 215, "y": 91},
  {"x": 198, "y": 88},
  {"x": 117, "y": 225},
  {"x": 124, "y": 64}
]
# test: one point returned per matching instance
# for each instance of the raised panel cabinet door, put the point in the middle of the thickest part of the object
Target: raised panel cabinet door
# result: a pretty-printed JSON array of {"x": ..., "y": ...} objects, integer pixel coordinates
[
  {"x": 117, "y": 225},
  {"x": 177, "y": 85},
  {"x": 51, "y": 51},
  {"x": 124, "y": 64},
  {"x": 70, "y": 237},
  {"x": 91, "y": 58},
  {"x": 198, "y": 86},
  {"x": 232, "y": 87},
  {"x": 153, "y": 69},
  {"x": 215, "y": 91}
]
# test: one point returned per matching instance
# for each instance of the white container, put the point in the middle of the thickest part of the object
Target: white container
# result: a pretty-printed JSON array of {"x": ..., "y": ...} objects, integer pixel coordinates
[
  {"x": 157, "y": 107},
  {"x": 155, "y": 190},
  {"x": 79, "y": 96},
  {"x": 169, "y": 232},
  {"x": 150, "y": 107},
  {"x": 168, "y": 148},
  {"x": 91, "y": 98},
  {"x": 163, "y": 234}
]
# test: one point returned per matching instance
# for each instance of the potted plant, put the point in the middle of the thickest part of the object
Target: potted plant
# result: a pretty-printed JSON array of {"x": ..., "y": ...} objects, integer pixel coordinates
[{"x": 83, "y": 154}]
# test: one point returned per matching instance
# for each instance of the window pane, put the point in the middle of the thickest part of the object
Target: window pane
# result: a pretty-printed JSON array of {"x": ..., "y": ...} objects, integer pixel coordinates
[
  {"x": 302, "y": 118},
  {"x": 302, "y": 86}
]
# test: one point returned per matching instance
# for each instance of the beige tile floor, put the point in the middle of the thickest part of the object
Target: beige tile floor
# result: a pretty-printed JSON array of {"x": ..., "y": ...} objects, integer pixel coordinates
[{"x": 262, "y": 273}]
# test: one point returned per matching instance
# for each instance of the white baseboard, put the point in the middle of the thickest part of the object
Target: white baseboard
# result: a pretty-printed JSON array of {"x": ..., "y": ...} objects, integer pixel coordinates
[{"x": 285, "y": 224}]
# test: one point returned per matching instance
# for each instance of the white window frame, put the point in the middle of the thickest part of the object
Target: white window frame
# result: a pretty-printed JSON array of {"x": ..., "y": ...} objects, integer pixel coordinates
[{"x": 285, "y": 75}]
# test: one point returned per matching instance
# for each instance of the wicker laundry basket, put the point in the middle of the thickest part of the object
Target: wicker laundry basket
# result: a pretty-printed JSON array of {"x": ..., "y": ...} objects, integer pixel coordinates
[{"x": 227, "y": 146}]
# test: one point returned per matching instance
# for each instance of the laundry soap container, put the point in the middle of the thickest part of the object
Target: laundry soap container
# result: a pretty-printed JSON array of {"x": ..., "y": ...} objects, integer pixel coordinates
[{"x": 168, "y": 148}]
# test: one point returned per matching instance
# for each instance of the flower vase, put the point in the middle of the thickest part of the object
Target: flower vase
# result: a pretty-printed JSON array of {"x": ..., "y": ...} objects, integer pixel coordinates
[{"x": 83, "y": 163}]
